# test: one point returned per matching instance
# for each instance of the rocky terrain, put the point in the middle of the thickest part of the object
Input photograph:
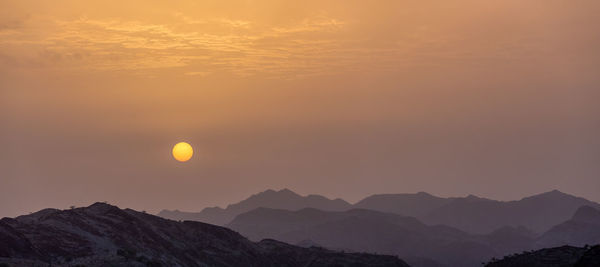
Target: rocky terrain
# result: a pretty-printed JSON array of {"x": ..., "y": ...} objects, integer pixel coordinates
[
  {"x": 565, "y": 256},
  {"x": 103, "y": 234}
]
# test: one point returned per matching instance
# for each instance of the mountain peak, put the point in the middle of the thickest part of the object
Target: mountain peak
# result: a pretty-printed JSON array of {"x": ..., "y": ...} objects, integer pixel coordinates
[
  {"x": 286, "y": 191},
  {"x": 100, "y": 207},
  {"x": 282, "y": 192},
  {"x": 472, "y": 197},
  {"x": 554, "y": 192}
]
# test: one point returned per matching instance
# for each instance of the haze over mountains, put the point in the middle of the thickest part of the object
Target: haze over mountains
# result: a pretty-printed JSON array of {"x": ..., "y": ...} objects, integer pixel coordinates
[
  {"x": 471, "y": 214},
  {"x": 377, "y": 232},
  {"x": 583, "y": 229},
  {"x": 366, "y": 231},
  {"x": 422, "y": 229},
  {"x": 293, "y": 234},
  {"x": 104, "y": 235},
  {"x": 283, "y": 199}
]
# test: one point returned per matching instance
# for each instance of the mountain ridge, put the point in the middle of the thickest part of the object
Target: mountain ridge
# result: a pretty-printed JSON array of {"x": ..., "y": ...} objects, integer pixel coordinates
[
  {"x": 102, "y": 234},
  {"x": 370, "y": 231},
  {"x": 282, "y": 199},
  {"x": 377, "y": 232},
  {"x": 582, "y": 229},
  {"x": 472, "y": 214}
]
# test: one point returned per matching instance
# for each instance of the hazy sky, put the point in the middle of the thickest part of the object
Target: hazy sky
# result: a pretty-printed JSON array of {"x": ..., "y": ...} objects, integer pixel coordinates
[{"x": 340, "y": 98}]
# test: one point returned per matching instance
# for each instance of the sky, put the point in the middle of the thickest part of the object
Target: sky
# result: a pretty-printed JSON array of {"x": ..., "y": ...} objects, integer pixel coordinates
[{"x": 341, "y": 98}]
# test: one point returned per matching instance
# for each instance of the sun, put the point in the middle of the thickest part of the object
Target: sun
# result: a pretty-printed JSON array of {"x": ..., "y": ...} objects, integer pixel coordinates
[{"x": 183, "y": 151}]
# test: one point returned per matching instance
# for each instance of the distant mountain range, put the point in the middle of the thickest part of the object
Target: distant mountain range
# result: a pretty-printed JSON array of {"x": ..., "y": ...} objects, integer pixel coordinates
[
  {"x": 387, "y": 233},
  {"x": 104, "y": 235},
  {"x": 375, "y": 232},
  {"x": 424, "y": 230},
  {"x": 470, "y": 214},
  {"x": 283, "y": 199},
  {"x": 479, "y": 215}
]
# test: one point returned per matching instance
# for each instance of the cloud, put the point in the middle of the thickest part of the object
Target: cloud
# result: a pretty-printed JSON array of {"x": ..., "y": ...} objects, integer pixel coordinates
[
  {"x": 284, "y": 43},
  {"x": 116, "y": 44}
]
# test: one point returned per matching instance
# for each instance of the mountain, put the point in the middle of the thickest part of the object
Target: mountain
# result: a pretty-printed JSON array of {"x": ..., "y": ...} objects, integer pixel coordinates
[
  {"x": 283, "y": 199},
  {"x": 414, "y": 205},
  {"x": 479, "y": 215},
  {"x": 582, "y": 229},
  {"x": 565, "y": 256},
  {"x": 377, "y": 232},
  {"x": 101, "y": 235},
  {"x": 470, "y": 214},
  {"x": 419, "y": 244},
  {"x": 509, "y": 239}
]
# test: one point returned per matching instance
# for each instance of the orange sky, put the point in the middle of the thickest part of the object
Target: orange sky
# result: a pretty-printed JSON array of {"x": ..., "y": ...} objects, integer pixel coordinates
[{"x": 341, "y": 98}]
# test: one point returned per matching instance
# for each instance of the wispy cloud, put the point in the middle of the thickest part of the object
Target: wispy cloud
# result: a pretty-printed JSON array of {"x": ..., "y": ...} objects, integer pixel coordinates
[
  {"x": 115, "y": 44},
  {"x": 312, "y": 45},
  {"x": 320, "y": 41}
]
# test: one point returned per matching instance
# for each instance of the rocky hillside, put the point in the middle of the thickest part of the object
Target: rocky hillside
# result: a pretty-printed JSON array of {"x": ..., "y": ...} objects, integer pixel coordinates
[
  {"x": 102, "y": 234},
  {"x": 565, "y": 256}
]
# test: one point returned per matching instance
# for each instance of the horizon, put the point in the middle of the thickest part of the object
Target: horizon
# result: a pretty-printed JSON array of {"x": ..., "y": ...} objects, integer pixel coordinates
[
  {"x": 340, "y": 99},
  {"x": 157, "y": 211}
]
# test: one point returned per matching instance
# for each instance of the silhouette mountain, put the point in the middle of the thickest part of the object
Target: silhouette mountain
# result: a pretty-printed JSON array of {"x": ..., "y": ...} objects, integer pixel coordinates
[
  {"x": 470, "y": 214},
  {"x": 461, "y": 231},
  {"x": 479, "y": 215},
  {"x": 419, "y": 244},
  {"x": 582, "y": 229},
  {"x": 509, "y": 239},
  {"x": 101, "y": 235},
  {"x": 587, "y": 214},
  {"x": 565, "y": 256},
  {"x": 283, "y": 199},
  {"x": 376, "y": 232},
  {"x": 414, "y": 205}
]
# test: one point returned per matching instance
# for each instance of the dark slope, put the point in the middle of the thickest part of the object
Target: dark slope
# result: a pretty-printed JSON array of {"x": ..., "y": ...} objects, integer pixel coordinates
[
  {"x": 102, "y": 234},
  {"x": 478, "y": 215},
  {"x": 582, "y": 229},
  {"x": 372, "y": 231},
  {"x": 565, "y": 256},
  {"x": 590, "y": 258},
  {"x": 283, "y": 199}
]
